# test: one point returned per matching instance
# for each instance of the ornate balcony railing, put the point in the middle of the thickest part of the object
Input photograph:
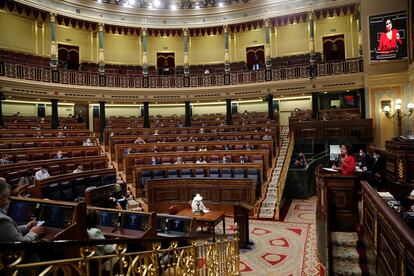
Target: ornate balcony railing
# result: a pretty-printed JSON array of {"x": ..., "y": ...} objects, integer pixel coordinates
[
  {"x": 215, "y": 255},
  {"x": 27, "y": 72}
]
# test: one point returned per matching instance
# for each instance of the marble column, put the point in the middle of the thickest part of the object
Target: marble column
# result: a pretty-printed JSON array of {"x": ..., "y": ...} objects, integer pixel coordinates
[
  {"x": 146, "y": 115},
  {"x": 268, "y": 60},
  {"x": 229, "y": 115},
  {"x": 55, "y": 115},
  {"x": 270, "y": 107},
  {"x": 226, "y": 49},
  {"x": 186, "y": 66},
  {"x": 53, "y": 45},
  {"x": 187, "y": 114},
  {"x": 101, "y": 58},
  {"x": 102, "y": 122},
  {"x": 144, "y": 52}
]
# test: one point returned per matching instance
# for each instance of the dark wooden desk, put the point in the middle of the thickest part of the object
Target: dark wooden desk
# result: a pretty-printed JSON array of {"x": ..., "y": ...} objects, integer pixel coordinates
[{"x": 213, "y": 218}]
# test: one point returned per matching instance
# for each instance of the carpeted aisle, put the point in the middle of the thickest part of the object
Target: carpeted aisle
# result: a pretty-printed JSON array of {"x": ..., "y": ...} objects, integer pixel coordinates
[{"x": 283, "y": 248}]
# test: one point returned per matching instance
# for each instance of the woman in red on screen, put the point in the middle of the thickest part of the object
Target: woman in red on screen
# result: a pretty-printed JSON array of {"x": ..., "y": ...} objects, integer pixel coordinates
[
  {"x": 389, "y": 39},
  {"x": 347, "y": 161}
]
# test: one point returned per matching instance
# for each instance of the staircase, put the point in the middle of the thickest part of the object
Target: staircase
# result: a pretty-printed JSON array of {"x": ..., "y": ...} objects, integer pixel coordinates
[
  {"x": 270, "y": 205},
  {"x": 345, "y": 256}
]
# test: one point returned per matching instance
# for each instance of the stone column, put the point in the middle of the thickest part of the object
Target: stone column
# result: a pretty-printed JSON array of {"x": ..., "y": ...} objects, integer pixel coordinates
[
  {"x": 53, "y": 46},
  {"x": 1, "y": 109},
  {"x": 55, "y": 115},
  {"x": 102, "y": 122},
  {"x": 359, "y": 30},
  {"x": 144, "y": 52},
  {"x": 229, "y": 115},
  {"x": 146, "y": 115},
  {"x": 186, "y": 67},
  {"x": 101, "y": 58},
  {"x": 187, "y": 114},
  {"x": 267, "y": 45},
  {"x": 226, "y": 49},
  {"x": 315, "y": 105},
  {"x": 312, "y": 37},
  {"x": 270, "y": 107}
]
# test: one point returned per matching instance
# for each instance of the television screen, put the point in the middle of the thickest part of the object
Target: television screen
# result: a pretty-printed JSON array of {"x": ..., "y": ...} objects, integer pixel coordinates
[
  {"x": 388, "y": 36},
  {"x": 176, "y": 225},
  {"x": 22, "y": 211},
  {"x": 109, "y": 219},
  {"x": 56, "y": 216},
  {"x": 135, "y": 222},
  {"x": 334, "y": 152}
]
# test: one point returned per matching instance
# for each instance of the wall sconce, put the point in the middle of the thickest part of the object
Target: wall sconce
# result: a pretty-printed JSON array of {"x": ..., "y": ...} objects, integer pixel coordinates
[{"x": 398, "y": 113}]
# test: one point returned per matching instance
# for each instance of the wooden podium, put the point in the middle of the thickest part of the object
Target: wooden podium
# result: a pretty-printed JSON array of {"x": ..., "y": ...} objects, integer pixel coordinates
[{"x": 241, "y": 217}]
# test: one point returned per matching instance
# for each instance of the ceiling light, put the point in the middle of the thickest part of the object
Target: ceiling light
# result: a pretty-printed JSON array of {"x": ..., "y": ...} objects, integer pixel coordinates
[
  {"x": 197, "y": 6},
  {"x": 99, "y": 1},
  {"x": 131, "y": 2},
  {"x": 221, "y": 4},
  {"x": 173, "y": 7},
  {"x": 157, "y": 3}
]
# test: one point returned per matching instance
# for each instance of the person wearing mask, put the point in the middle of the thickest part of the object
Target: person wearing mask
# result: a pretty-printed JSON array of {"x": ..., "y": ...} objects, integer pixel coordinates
[
  {"x": 27, "y": 179},
  {"x": 347, "y": 165},
  {"x": 5, "y": 160},
  {"x": 9, "y": 231},
  {"x": 179, "y": 160},
  {"x": 58, "y": 155},
  {"x": 365, "y": 161},
  {"x": 154, "y": 161},
  {"x": 201, "y": 160},
  {"x": 42, "y": 173},
  {"x": 378, "y": 170}
]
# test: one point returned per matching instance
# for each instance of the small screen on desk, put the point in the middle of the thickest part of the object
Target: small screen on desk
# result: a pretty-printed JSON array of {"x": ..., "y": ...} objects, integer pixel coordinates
[
  {"x": 109, "y": 219},
  {"x": 22, "y": 211},
  {"x": 135, "y": 222},
  {"x": 56, "y": 216},
  {"x": 334, "y": 152},
  {"x": 176, "y": 225}
]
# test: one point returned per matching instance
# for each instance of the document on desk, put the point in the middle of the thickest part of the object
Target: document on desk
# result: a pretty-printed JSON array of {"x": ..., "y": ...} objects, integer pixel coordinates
[
  {"x": 385, "y": 195},
  {"x": 206, "y": 211},
  {"x": 330, "y": 170}
]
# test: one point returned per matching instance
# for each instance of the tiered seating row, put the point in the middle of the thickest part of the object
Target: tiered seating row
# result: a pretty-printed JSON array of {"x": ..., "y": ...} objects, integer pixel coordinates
[
  {"x": 121, "y": 149},
  {"x": 20, "y": 133},
  {"x": 142, "y": 173},
  {"x": 13, "y": 172},
  {"x": 256, "y": 156},
  {"x": 11, "y": 143},
  {"x": 70, "y": 186},
  {"x": 245, "y": 136}
]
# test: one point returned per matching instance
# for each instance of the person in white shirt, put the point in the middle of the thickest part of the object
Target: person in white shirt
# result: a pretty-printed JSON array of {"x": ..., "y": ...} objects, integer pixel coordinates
[
  {"x": 92, "y": 220},
  {"x": 42, "y": 174},
  {"x": 197, "y": 203},
  {"x": 79, "y": 169},
  {"x": 201, "y": 160},
  {"x": 88, "y": 142}
]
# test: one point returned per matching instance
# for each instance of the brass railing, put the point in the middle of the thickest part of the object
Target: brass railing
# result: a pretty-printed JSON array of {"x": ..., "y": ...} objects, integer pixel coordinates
[
  {"x": 43, "y": 74},
  {"x": 213, "y": 256},
  {"x": 283, "y": 173}
]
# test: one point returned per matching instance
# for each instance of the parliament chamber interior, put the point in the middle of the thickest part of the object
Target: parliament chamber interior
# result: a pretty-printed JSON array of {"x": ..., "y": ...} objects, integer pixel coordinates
[{"x": 207, "y": 137}]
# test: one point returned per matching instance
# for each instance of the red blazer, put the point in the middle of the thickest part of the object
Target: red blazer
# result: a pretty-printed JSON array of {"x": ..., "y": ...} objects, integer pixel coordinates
[
  {"x": 348, "y": 165},
  {"x": 386, "y": 44}
]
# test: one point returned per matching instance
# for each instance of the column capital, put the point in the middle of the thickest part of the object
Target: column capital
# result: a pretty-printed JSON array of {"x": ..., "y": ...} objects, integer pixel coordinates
[
  {"x": 100, "y": 26},
  {"x": 266, "y": 22},
  {"x": 311, "y": 15},
  {"x": 144, "y": 31},
  {"x": 53, "y": 17},
  {"x": 226, "y": 28}
]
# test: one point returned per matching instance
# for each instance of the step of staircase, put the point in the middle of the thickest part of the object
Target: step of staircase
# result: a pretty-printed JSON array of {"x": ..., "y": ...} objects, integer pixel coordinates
[{"x": 345, "y": 254}]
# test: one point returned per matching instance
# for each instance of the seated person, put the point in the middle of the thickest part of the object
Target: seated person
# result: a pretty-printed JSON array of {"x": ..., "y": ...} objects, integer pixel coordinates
[
  {"x": 139, "y": 140},
  {"x": 179, "y": 160},
  {"x": 247, "y": 146},
  {"x": 58, "y": 155},
  {"x": 378, "y": 168},
  {"x": 197, "y": 204},
  {"x": 156, "y": 132},
  {"x": 5, "y": 159},
  {"x": 60, "y": 134},
  {"x": 117, "y": 198},
  {"x": 365, "y": 161},
  {"x": 79, "y": 169},
  {"x": 87, "y": 142},
  {"x": 127, "y": 151},
  {"x": 42, "y": 173},
  {"x": 267, "y": 137},
  {"x": 202, "y": 148},
  {"x": 9, "y": 231},
  {"x": 201, "y": 160},
  {"x": 300, "y": 161},
  {"x": 243, "y": 159},
  {"x": 27, "y": 179},
  {"x": 92, "y": 220}
]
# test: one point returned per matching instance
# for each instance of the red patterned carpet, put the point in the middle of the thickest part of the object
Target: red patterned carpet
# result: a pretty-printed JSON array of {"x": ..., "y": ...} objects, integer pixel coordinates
[{"x": 283, "y": 248}]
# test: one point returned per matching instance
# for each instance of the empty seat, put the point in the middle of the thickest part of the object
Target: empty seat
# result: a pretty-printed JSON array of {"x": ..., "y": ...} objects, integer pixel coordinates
[
  {"x": 54, "y": 170},
  {"x": 44, "y": 144},
  {"x": 166, "y": 160},
  {"x": 76, "y": 154},
  {"x": 21, "y": 158},
  {"x": 214, "y": 172},
  {"x": 29, "y": 145},
  {"x": 69, "y": 168},
  {"x": 38, "y": 156},
  {"x": 100, "y": 165},
  {"x": 79, "y": 186},
  {"x": 67, "y": 193},
  {"x": 53, "y": 192},
  {"x": 58, "y": 144},
  {"x": 172, "y": 173},
  {"x": 95, "y": 180},
  {"x": 139, "y": 161},
  {"x": 199, "y": 173},
  {"x": 17, "y": 145},
  {"x": 90, "y": 153},
  {"x": 109, "y": 179},
  {"x": 185, "y": 173}
]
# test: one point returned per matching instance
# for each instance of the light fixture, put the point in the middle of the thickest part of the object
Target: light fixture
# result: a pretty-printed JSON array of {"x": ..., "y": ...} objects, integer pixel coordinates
[
  {"x": 221, "y": 4},
  {"x": 99, "y": 1},
  {"x": 131, "y": 2},
  {"x": 173, "y": 7},
  {"x": 399, "y": 114}
]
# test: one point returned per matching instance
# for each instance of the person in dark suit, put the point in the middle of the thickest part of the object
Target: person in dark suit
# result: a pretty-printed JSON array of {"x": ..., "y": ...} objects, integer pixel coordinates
[
  {"x": 9, "y": 231},
  {"x": 378, "y": 170}
]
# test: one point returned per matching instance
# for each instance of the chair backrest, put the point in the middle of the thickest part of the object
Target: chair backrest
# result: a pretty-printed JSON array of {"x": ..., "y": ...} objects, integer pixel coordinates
[
  {"x": 67, "y": 191},
  {"x": 109, "y": 179},
  {"x": 53, "y": 192},
  {"x": 79, "y": 185},
  {"x": 95, "y": 180}
]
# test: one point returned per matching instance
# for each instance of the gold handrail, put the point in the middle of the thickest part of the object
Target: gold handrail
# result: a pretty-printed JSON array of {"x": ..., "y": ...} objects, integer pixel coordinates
[{"x": 215, "y": 256}]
